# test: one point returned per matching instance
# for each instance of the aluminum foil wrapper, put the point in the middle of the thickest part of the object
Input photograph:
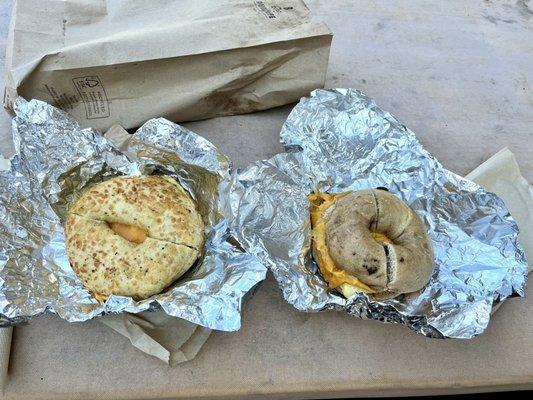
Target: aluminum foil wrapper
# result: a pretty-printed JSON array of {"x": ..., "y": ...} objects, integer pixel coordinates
[
  {"x": 339, "y": 140},
  {"x": 54, "y": 160}
]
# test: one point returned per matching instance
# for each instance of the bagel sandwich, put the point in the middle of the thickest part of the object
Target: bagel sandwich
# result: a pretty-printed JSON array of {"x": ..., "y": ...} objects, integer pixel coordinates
[
  {"x": 133, "y": 235},
  {"x": 370, "y": 241}
]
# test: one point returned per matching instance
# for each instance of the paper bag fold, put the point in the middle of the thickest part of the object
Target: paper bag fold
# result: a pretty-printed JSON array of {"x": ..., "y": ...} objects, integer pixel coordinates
[{"x": 124, "y": 61}]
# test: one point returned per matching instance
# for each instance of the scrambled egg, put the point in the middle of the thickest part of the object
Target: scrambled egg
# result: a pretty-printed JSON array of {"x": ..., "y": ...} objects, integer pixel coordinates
[{"x": 335, "y": 276}]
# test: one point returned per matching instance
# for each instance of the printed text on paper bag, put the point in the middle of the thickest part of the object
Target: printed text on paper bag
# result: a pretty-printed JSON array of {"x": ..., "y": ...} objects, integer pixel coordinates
[
  {"x": 269, "y": 11},
  {"x": 93, "y": 95}
]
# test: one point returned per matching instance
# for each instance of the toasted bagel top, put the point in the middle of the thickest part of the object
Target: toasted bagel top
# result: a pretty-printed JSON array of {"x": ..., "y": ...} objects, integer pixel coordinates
[{"x": 133, "y": 236}]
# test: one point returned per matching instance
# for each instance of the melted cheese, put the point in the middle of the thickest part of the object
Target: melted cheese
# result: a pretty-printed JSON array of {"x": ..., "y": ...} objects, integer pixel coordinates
[
  {"x": 101, "y": 298},
  {"x": 131, "y": 233},
  {"x": 335, "y": 276},
  {"x": 381, "y": 238}
]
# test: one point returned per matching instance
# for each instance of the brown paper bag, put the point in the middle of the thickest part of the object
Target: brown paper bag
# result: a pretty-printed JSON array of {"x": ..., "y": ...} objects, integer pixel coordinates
[{"x": 124, "y": 61}]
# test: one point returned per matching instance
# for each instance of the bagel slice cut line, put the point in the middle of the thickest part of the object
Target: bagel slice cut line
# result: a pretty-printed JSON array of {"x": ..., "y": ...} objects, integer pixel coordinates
[
  {"x": 125, "y": 192},
  {"x": 128, "y": 226},
  {"x": 101, "y": 297}
]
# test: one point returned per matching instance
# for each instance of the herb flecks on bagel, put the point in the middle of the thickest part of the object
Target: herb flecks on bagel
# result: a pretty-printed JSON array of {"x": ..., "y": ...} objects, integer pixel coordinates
[{"x": 133, "y": 236}]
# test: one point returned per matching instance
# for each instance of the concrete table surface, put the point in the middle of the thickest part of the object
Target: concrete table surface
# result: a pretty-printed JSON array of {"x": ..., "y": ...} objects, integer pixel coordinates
[{"x": 459, "y": 74}]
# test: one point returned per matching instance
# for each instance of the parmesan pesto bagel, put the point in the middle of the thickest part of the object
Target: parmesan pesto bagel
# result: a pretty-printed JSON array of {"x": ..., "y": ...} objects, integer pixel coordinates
[
  {"x": 370, "y": 241},
  {"x": 133, "y": 236}
]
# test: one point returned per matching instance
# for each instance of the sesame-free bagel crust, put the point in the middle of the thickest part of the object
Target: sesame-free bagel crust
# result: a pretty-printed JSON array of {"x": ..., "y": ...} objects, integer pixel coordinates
[{"x": 107, "y": 262}]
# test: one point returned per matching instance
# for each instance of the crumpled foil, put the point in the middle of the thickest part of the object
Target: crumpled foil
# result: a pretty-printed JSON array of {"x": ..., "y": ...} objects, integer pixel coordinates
[
  {"x": 339, "y": 140},
  {"x": 54, "y": 159}
]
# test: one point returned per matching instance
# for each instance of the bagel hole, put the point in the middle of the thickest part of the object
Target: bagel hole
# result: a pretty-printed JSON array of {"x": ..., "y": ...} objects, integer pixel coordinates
[{"x": 131, "y": 233}]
